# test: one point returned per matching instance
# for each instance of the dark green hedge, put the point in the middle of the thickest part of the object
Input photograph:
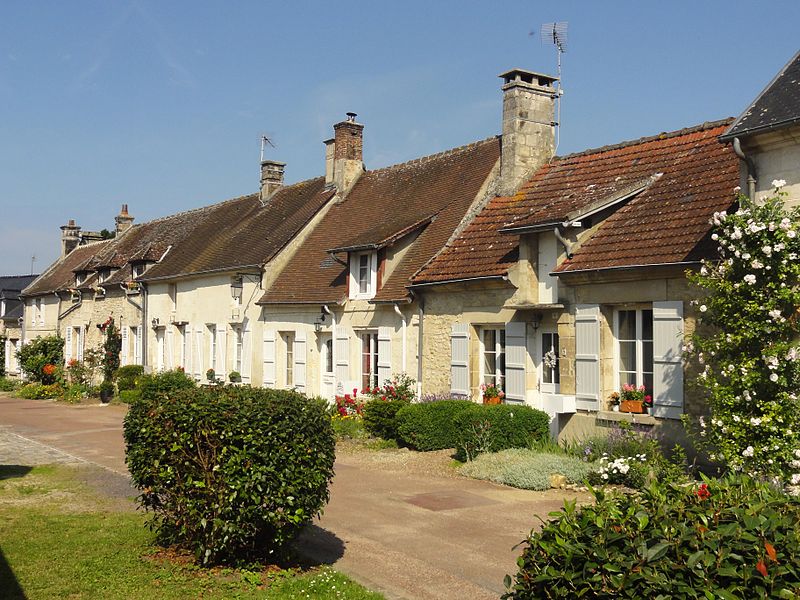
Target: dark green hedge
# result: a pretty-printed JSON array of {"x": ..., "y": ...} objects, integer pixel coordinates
[
  {"x": 430, "y": 426},
  {"x": 229, "y": 472},
  {"x": 731, "y": 539},
  {"x": 380, "y": 417},
  {"x": 126, "y": 376},
  {"x": 491, "y": 428}
]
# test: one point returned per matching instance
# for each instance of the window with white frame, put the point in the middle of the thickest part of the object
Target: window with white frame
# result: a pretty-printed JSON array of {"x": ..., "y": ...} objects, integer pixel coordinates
[
  {"x": 32, "y": 306},
  {"x": 80, "y": 278},
  {"x": 39, "y": 311},
  {"x": 238, "y": 349},
  {"x": 550, "y": 359},
  {"x": 328, "y": 358},
  {"x": 104, "y": 275},
  {"x": 363, "y": 275},
  {"x": 136, "y": 334},
  {"x": 369, "y": 360},
  {"x": 212, "y": 346},
  {"x": 138, "y": 270},
  {"x": 288, "y": 342},
  {"x": 493, "y": 363},
  {"x": 635, "y": 347}
]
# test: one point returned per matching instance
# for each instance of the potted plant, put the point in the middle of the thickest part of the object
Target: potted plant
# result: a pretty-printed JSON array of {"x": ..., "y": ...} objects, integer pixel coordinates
[
  {"x": 614, "y": 400},
  {"x": 235, "y": 377},
  {"x": 647, "y": 403},
  {"x": 106, "y": 390},
  {"x": 492, "y": 394},
  {"x": 211, "y": 375},
  {"x": 632, "y": 398}
]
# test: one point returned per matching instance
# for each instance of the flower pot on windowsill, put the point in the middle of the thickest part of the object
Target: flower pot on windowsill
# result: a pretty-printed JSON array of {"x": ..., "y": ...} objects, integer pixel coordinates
[
  {"x": 631, "y": 406},
  {"x": 492, "y": 400}
]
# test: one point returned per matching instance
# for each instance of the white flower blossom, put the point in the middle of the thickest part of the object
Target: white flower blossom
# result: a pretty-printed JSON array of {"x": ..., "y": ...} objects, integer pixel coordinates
[
  {"x": 773, "y": 377},
  {"x": 703, "y": 308},
  {"x": 755, "y": 421},
  {"x": 757, "y": 264},
  {"x": 791, "y": 233},
  {"x": 750, "y": 279},
  {"x": 778, "y": 183},
  {"x": 748, "y": 451}
]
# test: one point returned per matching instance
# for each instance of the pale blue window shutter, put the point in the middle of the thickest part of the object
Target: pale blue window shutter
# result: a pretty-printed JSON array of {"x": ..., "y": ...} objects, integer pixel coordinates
[
  {"x": 384, "y": 354},
  {"x": 459, "y": 360},
  {"x": 247, "y": 359},
  {"x": 299, "y": 354},
  {"x": 516, "y": 362},
  {"x": 342, "y": 366},
  {"x": 667, "y": 361},
  {"x": 268, "y": 356},
  {"x": 587, "y": 356},
  {"x": 68, "y": 345}
]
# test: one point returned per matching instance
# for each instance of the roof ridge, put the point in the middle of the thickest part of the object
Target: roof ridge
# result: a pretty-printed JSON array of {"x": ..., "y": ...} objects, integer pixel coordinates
[
  {"x": 664, "y": 135},
  {"x": 430, "y": 157}
]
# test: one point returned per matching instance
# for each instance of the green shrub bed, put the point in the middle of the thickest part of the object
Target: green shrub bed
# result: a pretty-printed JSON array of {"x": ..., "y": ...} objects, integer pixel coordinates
[
  {"x": 39, "y": 391},
  {"x": 490, "y": 428},
  {"x": 526, "y": 469},
  {"x": 7, "y": 385},
  {"x": 129, "y": 396},
  {"x": 380, "y": 417},
  {"x": 731, "y": 538},
  {"x": 229, "y": 472},
  {"x": 127, "y": 376},
  {"x": 430, "y": 426}
]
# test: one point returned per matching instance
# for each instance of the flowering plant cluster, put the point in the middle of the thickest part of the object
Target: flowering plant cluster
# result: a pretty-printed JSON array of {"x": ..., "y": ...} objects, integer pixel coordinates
[
  {"x": 747, "y": 348},
  {"x": 616, "y": 470},
  {"x": 400, "y": 387},
  {"x": 491, "y": 391},
  {"x": 638, "y": 394},
  {"x": 111, "y": 349},
  {"x": 349, "y": 405}
]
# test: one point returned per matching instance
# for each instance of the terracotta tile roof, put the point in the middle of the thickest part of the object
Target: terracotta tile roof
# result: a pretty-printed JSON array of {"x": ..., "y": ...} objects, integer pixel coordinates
[
  {"x": 688, "y": 173},
  {"x": 382, "y": 205},
  {"x": 242, "y": 232},
  {"x": 778, "y": 105}
]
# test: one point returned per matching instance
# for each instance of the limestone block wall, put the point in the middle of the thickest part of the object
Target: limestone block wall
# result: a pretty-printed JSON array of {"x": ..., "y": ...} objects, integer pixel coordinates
[
  {"x": 42, "y": 321},
  {"x": 777, "y": 156}
]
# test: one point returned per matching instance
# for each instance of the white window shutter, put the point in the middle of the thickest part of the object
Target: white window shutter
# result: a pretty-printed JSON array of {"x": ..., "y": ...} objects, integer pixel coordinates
[
  {"x": 123, "y": 359},
  {"x": 667, "y": 361},
  {"x": 342, "y": 353},
  {"x": 168, "y": 362},
  {"x": 197, "y": 350},
  {"x": 67, "y": 345},
  {"x": 79, "y": 352},
  {"x": 269, "y": 358},
  {"x": 222, "y": 367},
  {"x": 516, "y": 361},
  {"x": 186, "y": 349},
  {"x": 384, "y": 354},
  {"x": 459, "y": 360},
  {"x": 587, "y": 356},
  {"x": 137, "y": 351},
  {"x": 247, "y": 360},
  {"x": 299, "y": 354}
]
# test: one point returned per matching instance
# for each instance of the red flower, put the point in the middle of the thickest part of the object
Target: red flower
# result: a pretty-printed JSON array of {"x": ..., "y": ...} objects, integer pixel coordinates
[
  {"x": 49, "y": 369},
  {"x": 703, "y": 492},
  {"x": 761, "y": 568}
]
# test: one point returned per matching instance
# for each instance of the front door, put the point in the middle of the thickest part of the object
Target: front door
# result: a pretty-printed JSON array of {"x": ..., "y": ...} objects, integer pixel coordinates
[
  {"x": 549, "y": 377},
  {"x": 327, "y": 377}
]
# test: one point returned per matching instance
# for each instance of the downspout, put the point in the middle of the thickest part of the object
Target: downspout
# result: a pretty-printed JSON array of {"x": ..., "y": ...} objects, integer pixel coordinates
[
  {"x": 751, "y": 168},
  {"x": 137, "y": 306},
  {"x": 144, "y": 324},
  {"x": 58, "y": 314},
  {"x": 564, "y": 241},
  {"x": 421, "y": 313},
  {"x": 403, "y": 320},
  {"x": 327, "y": 311}
]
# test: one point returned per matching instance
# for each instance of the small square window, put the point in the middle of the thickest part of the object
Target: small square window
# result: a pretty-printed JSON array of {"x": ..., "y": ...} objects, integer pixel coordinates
[{"x": 363, "y": 275}]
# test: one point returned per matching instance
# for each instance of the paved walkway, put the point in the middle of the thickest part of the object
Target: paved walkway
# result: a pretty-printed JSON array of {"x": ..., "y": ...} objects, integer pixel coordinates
[{"x": 407, "y": 535}]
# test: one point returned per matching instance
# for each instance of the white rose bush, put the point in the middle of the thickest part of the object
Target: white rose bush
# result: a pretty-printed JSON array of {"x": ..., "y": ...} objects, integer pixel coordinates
[{"x": 749, "y": 355}]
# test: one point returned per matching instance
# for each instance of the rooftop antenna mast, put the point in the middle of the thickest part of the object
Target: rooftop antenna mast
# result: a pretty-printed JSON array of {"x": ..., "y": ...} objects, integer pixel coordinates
[
  {"x": 556, "y": 34},
  {"x": 264, "y": 142}
]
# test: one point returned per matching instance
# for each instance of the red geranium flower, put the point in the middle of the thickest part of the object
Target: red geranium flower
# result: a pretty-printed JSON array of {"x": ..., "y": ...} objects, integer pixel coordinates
[
  {"x": 49, "y": 369},
  {"x": 703, "y": 492}
]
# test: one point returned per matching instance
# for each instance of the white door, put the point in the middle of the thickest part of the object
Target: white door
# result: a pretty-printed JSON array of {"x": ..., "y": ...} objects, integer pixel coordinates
[
  {"x": 549, "y": 352},
  {"x": 327, "y": 375}
]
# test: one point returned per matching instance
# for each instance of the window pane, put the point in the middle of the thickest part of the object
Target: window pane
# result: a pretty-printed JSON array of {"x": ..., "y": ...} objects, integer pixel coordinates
[
  {"x": 647, "y": 357},
  {"x": 627, "y": 378},
  {"x": 627, "y": 324},
  {"x": 490, "y": 364},
  {"x": 329, "y": 356},
  {"x": 627, "y": 356},
  {"x": 489, "y": 339},
  {"x": 647, "y": 381},
  {"x": 647, "y": 325}
]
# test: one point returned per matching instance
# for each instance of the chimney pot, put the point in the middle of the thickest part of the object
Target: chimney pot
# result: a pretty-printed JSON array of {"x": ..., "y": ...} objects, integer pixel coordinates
[
  {"x": 271, "y": 178},
  {"x": 70, "y": 237},
  {"x": 348, "y": 148},
  {"x": 123, "y": 221}
]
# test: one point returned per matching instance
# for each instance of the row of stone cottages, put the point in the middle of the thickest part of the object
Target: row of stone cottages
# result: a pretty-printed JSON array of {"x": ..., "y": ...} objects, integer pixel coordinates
[{"x": 556, "y": 278}]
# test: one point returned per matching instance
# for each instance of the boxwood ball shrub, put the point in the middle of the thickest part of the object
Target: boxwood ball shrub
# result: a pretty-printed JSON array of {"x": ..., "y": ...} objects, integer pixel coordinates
[
  {"x": 430, "y": 426},
  {"x": 380, "y": 417},
  {"x": 232, "y": 473},
  {"x": 729, "y": 538},
  {"x": 491, "y": 428}
]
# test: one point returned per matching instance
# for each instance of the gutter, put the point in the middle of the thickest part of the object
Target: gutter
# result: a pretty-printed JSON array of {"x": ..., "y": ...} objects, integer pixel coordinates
[
  {"x": 752, "y": 177},
  {"x": 760, "y": 129},
  {"x": 145, "y": 279},
  {"x": 626, "y": 268},
  {"x": 420, "y": 346},
  {"x": 466, "y": 279}
]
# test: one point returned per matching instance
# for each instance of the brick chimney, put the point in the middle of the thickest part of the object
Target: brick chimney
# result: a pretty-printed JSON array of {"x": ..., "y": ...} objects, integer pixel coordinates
[
  {"x": 344, "y": 154},
  {"x": 271, "y": 178},
  {"x": 528, "y": 139},
  {"x": 70, "y": 237},
  {"x": 123, "y": 220}
]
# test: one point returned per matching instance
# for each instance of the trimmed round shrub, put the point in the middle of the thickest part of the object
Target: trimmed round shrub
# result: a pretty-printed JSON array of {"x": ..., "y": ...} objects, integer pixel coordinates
[
  {"x": 126, "y": 376},
  {"x": 730, "y": 538},
  {"x": 430, "y": 426},
  {"x": 491, "y": 428},
  {"x": 232, "y": 473},
  {"x": 380, "y": 417}
]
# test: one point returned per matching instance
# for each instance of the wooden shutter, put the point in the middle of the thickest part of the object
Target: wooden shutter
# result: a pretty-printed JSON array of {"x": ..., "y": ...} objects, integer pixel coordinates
[
  {"x": 123, "y": 359},
  {"x": 384, "y": 354},
  {"x": 459, "y": 360},
  {"x": 587, "y": 356},
  {"x": 247, "y": 360},
  {"x": 79, "y": 350},
  {"x": 299, "y": 354},
  {"x": 269, "y": 358},
  {"x": 197, "y": 351},
  {"x": 168, "y": 358},
  {"x": 137, "y": 351},
  {"x": 516, "y": 362},
  {"x": 186, "y": 349},
  {"x": 342, "y": 353},
  {"x": 67, "y": 345},
  {"x": 222, "y": 368},
  {"x": 667, "y": 361}
]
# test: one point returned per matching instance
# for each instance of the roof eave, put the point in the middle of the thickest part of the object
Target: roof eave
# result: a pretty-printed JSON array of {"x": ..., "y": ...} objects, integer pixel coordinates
[
  {"x": 627, "y": 267},
  {"x": 727, "y": 137},
  {"x": 460, "y": 280}
]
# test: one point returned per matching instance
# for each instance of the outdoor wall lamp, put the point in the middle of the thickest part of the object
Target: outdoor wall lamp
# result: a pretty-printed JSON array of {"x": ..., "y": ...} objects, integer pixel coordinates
[{"x": 237, "y": 284}]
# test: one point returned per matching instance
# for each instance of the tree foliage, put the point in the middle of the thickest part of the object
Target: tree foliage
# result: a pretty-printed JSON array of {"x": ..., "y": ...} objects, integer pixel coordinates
[{"x": 40, "y": 356}]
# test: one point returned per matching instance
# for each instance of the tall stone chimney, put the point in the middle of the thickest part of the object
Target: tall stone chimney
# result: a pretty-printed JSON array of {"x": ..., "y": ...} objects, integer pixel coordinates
[
  {"x": 271, "y": 178},
  {"x": 70, "y": 237},
  {"x": 123, "y": 220},
  {"x": 344, "y": 162},
  {"x": 529, "y": 124}
]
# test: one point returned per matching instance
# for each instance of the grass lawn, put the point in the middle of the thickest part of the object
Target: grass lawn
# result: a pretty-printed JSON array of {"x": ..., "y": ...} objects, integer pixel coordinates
[{"x": 57, "y": 540}]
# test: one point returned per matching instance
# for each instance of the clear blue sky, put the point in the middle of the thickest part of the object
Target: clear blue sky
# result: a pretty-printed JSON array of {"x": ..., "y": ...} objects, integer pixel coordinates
[{"x": 160, "y": 105}]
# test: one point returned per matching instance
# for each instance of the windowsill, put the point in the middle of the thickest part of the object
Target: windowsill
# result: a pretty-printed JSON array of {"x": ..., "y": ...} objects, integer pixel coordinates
[{"x": 639, "y": 419}]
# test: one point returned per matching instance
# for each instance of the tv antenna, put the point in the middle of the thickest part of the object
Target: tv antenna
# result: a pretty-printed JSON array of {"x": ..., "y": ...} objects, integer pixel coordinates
[
  {"x": 265, "y": 141},
  {"x": 556, "y": 34}
]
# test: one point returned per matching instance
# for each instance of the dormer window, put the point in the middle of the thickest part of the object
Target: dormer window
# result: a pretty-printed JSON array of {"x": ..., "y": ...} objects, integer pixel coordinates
[
  {"x": 363, "y": 275},
  {"x": 105, "y": 275},
  {"x": 138, "y": 270},
  {"x": 80, "y": 277}
]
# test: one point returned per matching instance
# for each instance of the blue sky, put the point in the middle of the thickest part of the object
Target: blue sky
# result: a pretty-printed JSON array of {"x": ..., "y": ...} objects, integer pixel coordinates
[{"x": 161, "y": 105}]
